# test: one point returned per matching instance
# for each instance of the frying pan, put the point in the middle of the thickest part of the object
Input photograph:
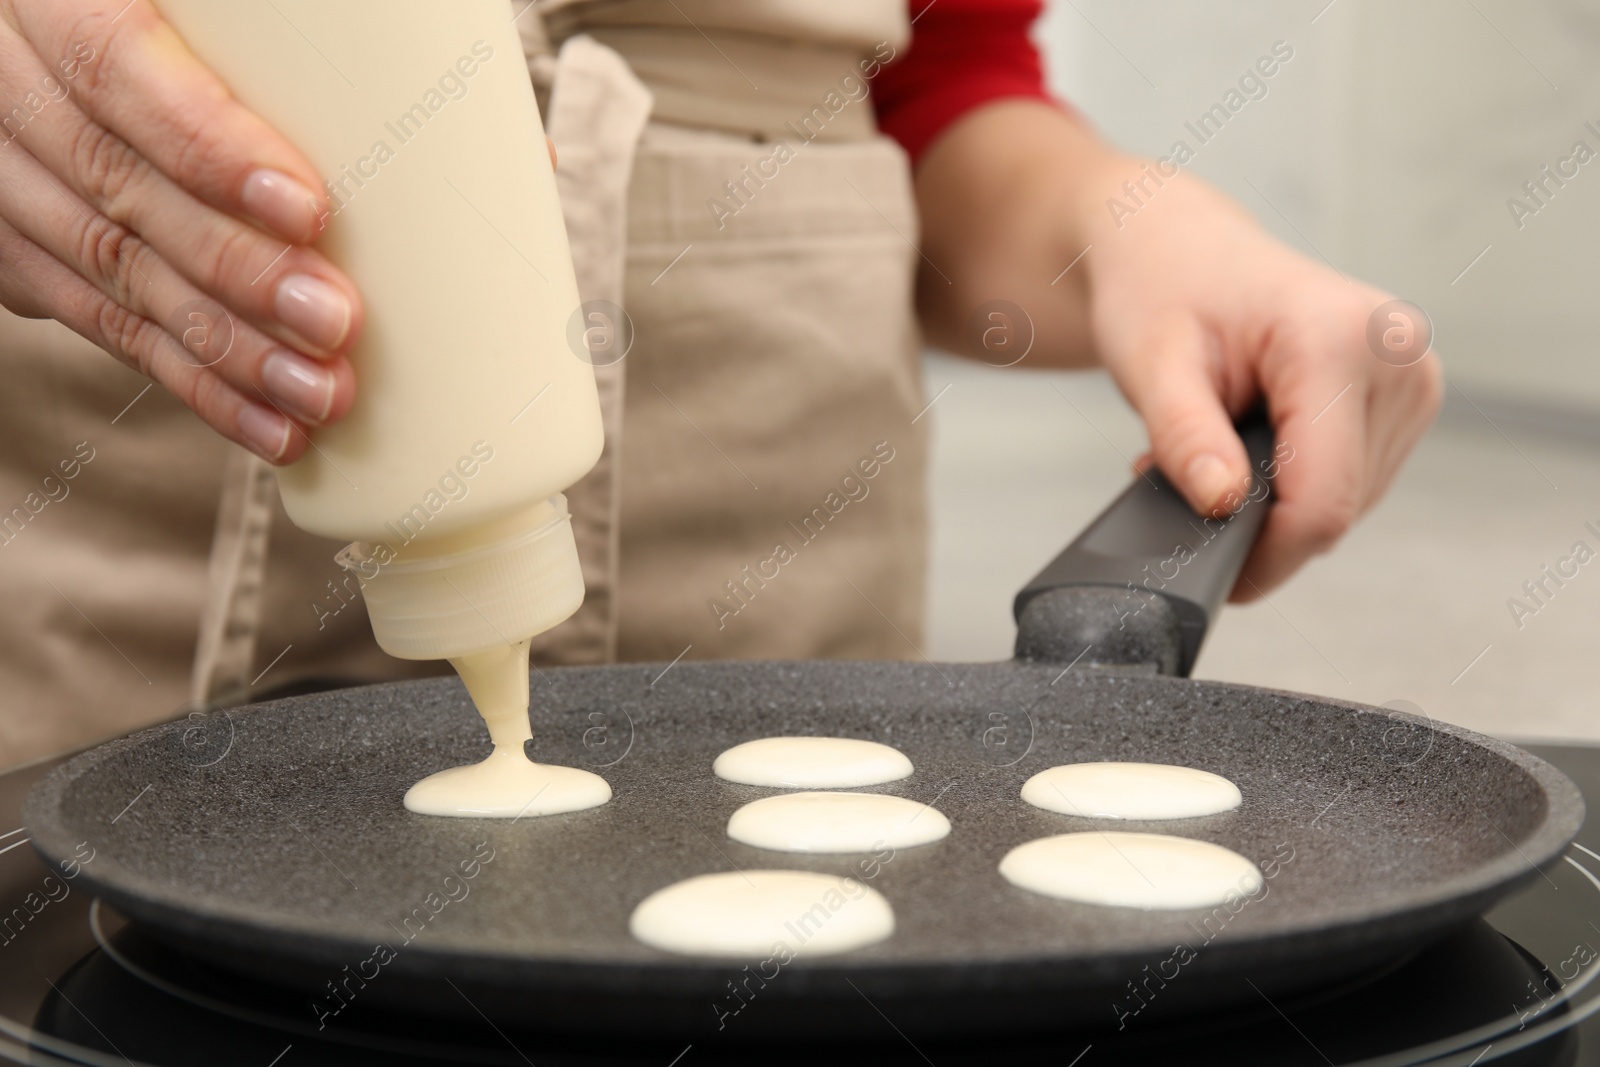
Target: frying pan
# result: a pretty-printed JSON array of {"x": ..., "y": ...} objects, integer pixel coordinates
[{"x": 271, "y": 840}]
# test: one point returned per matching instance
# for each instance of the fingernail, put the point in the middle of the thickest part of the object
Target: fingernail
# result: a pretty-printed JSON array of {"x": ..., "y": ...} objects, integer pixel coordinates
[
  {"x": 282, "y": 203},
  {"x": 1209, "y": 480},
  {"x": 267, "y": 432},
  {"x": 315, "y": 310},
  {"x": 297, "y": 383}
]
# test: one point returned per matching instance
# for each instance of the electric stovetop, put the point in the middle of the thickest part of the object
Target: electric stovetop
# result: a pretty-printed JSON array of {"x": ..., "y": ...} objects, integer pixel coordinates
[{"x": 80, "y": 985}]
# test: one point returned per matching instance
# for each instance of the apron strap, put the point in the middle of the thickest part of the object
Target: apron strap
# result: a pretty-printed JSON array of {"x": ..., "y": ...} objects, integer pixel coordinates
[
  {"x": 596, "y": 114},
  {"x": 226, "y": 649}
]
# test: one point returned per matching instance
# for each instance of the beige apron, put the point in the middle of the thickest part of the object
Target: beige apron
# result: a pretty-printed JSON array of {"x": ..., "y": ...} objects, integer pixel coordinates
[{"x": 761, "y": 492}]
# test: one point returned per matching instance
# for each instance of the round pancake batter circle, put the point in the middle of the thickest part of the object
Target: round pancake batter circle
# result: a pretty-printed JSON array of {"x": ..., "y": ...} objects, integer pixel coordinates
[
  {"x": 1130, "y": 791},
  {"x": 507, "y": 785},
  {"x": 812, "y": 763},
  {"x": 1124, "y": 870},
  {"x": 751, "y": 914},
  {"x": 836, "y": 822}
]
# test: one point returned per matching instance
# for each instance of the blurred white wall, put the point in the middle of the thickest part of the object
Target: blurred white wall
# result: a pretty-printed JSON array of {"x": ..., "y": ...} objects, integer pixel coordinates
[{"x": 1390, "y": 145}]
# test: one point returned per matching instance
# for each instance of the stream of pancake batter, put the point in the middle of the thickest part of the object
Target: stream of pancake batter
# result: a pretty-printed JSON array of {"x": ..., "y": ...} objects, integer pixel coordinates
[{"x": 506, "y": 785}]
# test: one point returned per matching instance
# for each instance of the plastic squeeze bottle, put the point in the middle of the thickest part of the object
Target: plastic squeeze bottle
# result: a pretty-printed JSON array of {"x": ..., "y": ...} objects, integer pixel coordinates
[{"x": 473, "y": 412}]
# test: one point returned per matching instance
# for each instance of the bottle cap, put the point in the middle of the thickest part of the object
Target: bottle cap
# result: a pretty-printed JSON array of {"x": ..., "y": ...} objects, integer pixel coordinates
[{"x": 496, "y": 584}]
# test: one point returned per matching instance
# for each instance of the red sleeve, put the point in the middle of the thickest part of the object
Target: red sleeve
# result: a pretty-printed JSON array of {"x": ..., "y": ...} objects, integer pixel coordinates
[{"x": 963, "y": 53}]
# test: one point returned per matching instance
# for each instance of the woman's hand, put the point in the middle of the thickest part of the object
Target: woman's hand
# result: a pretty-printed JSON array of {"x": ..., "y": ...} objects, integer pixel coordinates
[
  {"x": 1192, "y": 307},
  {"x": 147, "y": 210},
  {"x": 1196, "y": 311}
]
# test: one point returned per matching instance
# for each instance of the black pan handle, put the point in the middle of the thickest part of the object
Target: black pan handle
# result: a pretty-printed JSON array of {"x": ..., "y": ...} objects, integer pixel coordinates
[{"x": 1141, "y": 584}]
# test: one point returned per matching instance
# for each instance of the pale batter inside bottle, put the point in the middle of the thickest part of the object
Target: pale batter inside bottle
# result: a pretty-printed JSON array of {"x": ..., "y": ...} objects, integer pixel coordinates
[{"x": 473, "y": 412}]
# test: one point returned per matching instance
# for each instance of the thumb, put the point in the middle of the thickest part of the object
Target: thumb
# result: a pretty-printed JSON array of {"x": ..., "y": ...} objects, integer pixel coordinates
[{"x": 1176, "y": 391}]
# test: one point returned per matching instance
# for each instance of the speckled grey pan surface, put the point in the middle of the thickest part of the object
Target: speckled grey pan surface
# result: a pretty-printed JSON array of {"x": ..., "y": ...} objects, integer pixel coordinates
[{"x": 273, "y": 841}]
